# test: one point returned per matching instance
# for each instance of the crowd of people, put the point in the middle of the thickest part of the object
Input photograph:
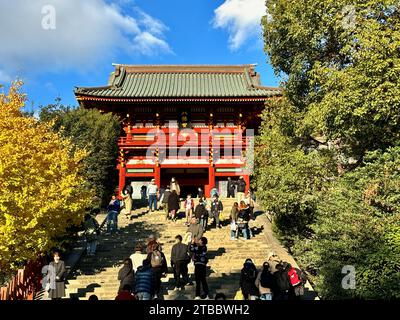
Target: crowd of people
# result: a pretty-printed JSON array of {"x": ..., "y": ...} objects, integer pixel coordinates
[
  {"x": 277, "y": 280},
  {"x": 168, "y": 200},
  {"x": 142, "y": 280},
  {"x": 141, "y": 273}
]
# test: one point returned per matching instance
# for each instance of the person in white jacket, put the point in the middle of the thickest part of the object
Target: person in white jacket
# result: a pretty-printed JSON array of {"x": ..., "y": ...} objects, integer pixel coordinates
[
  {"x": 137, "y": 257},
  {"x": 152, "y": 191}
]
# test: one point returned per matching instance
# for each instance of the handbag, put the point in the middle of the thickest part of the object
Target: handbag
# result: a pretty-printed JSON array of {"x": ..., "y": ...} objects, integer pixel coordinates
[
  {"x": 187, "y": 238},
  {"x": 239, "y": 295}
]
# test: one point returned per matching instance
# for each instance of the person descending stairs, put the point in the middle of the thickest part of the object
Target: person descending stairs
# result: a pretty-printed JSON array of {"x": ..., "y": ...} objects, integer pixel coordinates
[{"x": 99, "y": 274}]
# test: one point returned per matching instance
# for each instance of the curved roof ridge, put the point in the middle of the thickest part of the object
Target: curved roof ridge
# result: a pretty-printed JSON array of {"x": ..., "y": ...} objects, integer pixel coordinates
[
  {"x": 183, "y": 81},
  {"x": 185, "y": 68}
]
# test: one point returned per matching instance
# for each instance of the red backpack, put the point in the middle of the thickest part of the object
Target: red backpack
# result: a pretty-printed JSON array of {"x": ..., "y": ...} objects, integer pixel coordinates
[{"x": 294, "y": 277}]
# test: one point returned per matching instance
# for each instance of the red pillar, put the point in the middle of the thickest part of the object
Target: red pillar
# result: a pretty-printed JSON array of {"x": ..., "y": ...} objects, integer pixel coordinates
[
  {"x": 122, "y": 179},
  {"x": 247, "y": 180},
  {"x": 157, "y": 176},
  {"x": 211, "y": 181}
]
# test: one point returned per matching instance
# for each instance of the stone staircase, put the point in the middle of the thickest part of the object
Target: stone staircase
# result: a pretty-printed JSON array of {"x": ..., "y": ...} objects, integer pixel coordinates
[{"x": 98, "y": 275}]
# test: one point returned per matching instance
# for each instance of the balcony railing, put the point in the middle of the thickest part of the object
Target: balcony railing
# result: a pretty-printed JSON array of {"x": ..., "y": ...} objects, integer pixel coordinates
[{"x": 164, "y": 142}]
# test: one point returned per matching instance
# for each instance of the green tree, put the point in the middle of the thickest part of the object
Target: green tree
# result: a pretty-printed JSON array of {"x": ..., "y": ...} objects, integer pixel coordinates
[
  {"x": 341, "y": 60},
  {"x": 97, "y": 133},
  {"x": 290, "y": 171},
  {"x": 358, "y": 224},
  {"x": 328, "y": 153}
]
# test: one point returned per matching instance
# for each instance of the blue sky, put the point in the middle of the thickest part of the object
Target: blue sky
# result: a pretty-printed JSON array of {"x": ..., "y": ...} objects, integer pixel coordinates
[{"x": 55, "y": 45}]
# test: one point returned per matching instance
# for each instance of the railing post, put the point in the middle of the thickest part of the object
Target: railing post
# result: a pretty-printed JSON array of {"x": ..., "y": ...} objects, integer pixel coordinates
[{"x": 4, "y": 293}]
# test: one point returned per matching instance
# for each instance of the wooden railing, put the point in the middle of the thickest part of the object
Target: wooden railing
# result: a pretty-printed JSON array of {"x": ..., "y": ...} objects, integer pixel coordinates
[
  {"x": 165, "y": 142},
  {"x": 25, "y": 284}
]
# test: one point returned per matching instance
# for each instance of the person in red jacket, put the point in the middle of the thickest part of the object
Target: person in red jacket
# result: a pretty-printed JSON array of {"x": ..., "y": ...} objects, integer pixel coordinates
[{"x": 125, "y": 294}]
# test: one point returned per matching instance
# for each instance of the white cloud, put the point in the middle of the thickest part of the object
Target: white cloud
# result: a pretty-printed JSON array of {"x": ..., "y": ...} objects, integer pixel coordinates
[
  {"x": 152, "y": 24},
  {"x": 145, "y": 42},
  {"x": 87, "y": 32},
  {"x": 242, "y": 19}
]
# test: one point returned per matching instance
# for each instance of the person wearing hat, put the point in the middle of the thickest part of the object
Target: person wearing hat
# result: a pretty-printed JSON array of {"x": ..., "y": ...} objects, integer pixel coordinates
[
  {"x": 152, "y": 191},
  {"x": 273, "y": 260},
  {"x": 241, "y": 188},
  {"x": 248, "y": 276}
]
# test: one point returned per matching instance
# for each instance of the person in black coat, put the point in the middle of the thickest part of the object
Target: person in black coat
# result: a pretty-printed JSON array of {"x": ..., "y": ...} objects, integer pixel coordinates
[
  {"x": 173, "y": 204},
  {"x": 282, "y": 281},
  {"x": 200, "y": 260},
  {"x": 248, "y": 276},
  {"x": 243, "y": 220},
  {"x": 57, "y": 273},
  {"x": 126, "y": 275},
  {"x": 231, "y": 188},
  {"x": 201, "y": 213},
  {"x": 200, "y": 193},
  {"x": 179, "y": 262},
  {"x": 216, "y": 209},
  {"x": 241, "y": 188}
]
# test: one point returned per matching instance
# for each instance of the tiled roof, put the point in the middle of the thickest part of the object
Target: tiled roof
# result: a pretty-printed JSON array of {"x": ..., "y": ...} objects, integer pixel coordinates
[{"x": 181, "y": 81}]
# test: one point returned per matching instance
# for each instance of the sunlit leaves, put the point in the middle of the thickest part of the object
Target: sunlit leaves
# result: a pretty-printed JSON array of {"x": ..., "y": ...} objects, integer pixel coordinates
[{"x": 42, "y": 189}]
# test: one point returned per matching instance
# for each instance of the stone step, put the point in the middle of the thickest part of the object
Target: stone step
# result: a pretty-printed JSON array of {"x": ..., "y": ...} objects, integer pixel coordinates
[{"x": 98, "y": 275}]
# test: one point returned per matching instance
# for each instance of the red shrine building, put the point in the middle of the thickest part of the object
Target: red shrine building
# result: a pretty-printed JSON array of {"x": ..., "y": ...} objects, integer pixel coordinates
[{"x": 192, "y": 122}]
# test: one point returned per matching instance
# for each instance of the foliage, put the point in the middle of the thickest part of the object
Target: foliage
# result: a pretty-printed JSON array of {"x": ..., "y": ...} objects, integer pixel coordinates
[
  {"x": 358, "y": 224},
  {"x": 328, "y": 155},
  {"x": 42, "y": 189},
  {"x": 97, "y": 133},
  {"x": 289, "y": 177},
  {"x": 342, "y": 62}
]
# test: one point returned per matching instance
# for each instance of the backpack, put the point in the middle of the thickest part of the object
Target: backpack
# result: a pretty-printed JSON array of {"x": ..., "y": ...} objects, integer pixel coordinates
[
  {"x": 156, "y": 259},
  {"x": 238, "y": 295},
  {"x": 294, "y": 277},
  {"x": 187, "y": 238}
]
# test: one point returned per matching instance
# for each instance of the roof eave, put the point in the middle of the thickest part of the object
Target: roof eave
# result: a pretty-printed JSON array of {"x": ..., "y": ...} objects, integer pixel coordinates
[{"x": 176, "y": 99}]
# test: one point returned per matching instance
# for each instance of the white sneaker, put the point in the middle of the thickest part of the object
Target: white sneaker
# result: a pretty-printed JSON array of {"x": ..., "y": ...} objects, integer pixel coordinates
[
  {"x": 207, "y": 298},
  {"x": 176, "y": 289},
  {"x": 197, "y": 298}
]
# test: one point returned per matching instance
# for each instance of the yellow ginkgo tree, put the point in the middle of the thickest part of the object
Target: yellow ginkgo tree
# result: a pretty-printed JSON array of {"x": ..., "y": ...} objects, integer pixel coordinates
[{"x": 42, "y": 192}]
